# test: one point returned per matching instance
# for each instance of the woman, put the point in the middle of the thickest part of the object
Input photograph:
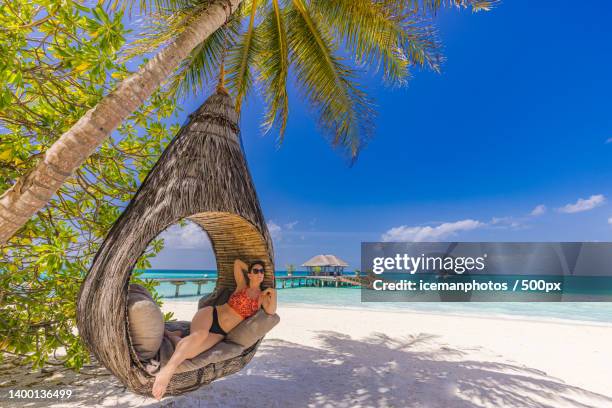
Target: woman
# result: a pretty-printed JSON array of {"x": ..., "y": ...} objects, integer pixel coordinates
[{"x": 210, "y": 324}]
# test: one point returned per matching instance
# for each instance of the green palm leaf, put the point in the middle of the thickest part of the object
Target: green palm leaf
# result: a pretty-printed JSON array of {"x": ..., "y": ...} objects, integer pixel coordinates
[
  {"x": 344, "y": 110},
  {"x": 202, "y": 66},
  {"x": 162, "y": 26},
  {"x": 242, "y": 57},
  {"x": 151, "y": 6},
  {"x": 432, "y": 6},
  {"x": 273, "y": 66},
  {"x": 369, "y": 31}
]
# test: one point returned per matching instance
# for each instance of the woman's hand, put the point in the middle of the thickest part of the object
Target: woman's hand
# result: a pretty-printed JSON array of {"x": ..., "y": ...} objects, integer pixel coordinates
[
  {"x": 268, "y": 292},
  {"x": 269, "y": 300}
]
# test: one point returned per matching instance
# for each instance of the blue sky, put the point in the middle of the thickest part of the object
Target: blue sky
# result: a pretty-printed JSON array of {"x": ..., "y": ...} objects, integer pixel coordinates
[{"x": 518, "y": 119}]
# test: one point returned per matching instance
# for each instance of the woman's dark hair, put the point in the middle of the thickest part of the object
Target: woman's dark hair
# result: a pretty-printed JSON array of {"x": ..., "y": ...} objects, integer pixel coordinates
[
  {"x": 251, "y": 265},
  {"x": 257, "y": 262}
]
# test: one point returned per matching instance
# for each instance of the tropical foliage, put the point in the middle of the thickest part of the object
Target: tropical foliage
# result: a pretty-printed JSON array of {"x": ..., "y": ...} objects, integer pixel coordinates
[{"x": 57, "y": 64}]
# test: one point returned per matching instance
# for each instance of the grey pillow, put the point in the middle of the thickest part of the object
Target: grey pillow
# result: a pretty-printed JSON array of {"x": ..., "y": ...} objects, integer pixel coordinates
[
  {"x": 219, "y": 352},
  {"x": 252, "y": 329},
  {"x": 146, "y": 322}
]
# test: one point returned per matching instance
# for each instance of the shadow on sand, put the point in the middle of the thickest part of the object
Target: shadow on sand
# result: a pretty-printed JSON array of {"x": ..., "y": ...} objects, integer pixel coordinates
[{"x": 378, "y": 371}]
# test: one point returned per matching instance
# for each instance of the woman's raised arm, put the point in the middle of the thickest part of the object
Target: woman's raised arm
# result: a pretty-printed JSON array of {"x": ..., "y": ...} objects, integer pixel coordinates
[{"x": 240, "y": 266}]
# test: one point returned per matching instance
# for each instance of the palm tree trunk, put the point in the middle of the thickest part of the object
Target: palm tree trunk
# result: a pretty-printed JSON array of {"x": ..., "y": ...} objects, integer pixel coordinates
[{"x": 34, "y": 190}]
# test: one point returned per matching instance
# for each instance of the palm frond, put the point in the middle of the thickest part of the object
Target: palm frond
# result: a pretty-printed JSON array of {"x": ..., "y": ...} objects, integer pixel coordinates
[
  {"x": 432, "y": 6},
  {"x": 419, "y": 41},
  {"x": 273, "y": 67},
  {"x": 241, "y": 58},
  {"x": 202, "y": 67},
  {"x": 344, "y": 110},
  {"x": 160, "y": 27},
  {"x": 152, "y": 6},
  {"x": 370, "y": 32}
]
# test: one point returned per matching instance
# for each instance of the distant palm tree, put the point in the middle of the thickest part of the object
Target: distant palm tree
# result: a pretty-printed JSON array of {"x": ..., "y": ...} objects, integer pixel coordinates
[
  {"x": 290, "y": 269},
  {"x": 265, "y": 41}
]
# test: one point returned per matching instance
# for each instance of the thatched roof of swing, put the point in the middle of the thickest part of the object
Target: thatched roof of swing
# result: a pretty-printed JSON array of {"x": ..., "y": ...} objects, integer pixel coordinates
[
  {"x": 325, "y": 260},
  {"x": 203, "y": 176}
]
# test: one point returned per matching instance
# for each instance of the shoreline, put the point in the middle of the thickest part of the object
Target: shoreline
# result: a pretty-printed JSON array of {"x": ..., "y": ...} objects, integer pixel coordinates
[{"x": 483, "y": 315}]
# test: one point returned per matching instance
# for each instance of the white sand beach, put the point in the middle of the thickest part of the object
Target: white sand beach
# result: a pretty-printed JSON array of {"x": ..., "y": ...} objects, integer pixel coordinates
[{"x": 324, "y": 357}]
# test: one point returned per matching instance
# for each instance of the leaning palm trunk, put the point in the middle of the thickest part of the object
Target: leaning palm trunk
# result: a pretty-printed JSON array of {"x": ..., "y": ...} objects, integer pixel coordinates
[{"x": 34, "y": 190}]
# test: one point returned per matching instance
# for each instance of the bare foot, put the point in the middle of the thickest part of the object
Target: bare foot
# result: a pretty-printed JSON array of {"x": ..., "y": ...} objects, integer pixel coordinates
[{"x": 161, "y": 383}]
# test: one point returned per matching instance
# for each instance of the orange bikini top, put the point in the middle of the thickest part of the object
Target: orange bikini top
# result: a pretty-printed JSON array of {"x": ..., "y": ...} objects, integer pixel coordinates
[{"x": 243, "y": 304}]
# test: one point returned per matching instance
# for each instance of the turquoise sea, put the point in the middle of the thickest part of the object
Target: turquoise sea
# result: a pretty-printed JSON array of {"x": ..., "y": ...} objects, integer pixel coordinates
[{"x": 345, "y": 297}]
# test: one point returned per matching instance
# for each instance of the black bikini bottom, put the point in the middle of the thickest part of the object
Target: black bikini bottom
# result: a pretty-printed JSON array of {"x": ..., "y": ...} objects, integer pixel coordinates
[{"x": 215, "y": 327}]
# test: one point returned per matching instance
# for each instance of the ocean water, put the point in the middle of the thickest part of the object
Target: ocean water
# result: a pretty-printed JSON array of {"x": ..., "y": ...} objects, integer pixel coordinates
[
  {"x": 166, "y": 289},
  {"x": 346, "y": 297}
]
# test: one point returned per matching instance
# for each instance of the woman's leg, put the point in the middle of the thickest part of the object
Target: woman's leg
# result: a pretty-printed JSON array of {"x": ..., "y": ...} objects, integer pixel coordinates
[{"x": 190, "y": 346}]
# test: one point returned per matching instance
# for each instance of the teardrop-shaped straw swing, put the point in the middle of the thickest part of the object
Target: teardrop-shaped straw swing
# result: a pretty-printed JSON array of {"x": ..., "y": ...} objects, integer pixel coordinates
[{"x": 201, "y": 176}]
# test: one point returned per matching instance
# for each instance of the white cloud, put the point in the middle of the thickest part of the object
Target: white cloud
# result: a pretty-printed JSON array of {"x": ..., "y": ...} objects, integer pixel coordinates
[
  {"x": 276, "y": 232},
  {"x": 501, "y": 220},
  {"x": 188, "y": 237},
  {"x": 428, "y": 233},
  {"x": 290, "y": 225},
  {"x": 506, "y": 222},
  {"x": 610, "y": 220},
  {"x": 538, "y": 210},
  {"x": 583, "y": 204}
]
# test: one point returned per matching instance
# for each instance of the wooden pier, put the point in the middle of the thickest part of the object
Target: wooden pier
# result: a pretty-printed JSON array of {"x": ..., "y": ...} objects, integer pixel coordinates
[
  {"x": 180, "y": 282},
  {"x": 282, "y": 282},
  {"x": 316, "y": 281}
]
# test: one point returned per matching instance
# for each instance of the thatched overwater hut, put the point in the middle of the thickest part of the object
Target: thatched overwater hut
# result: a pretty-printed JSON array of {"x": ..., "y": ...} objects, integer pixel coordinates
[{"x": 326, "y": 265}]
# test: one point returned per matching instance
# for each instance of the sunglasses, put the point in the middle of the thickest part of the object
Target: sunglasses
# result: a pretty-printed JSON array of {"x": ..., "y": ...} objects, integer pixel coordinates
[{"x": 257, "y": 270}]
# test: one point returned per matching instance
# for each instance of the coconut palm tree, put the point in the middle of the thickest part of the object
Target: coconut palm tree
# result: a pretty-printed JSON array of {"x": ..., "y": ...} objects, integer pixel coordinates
[{"x": 264, "y": 41}]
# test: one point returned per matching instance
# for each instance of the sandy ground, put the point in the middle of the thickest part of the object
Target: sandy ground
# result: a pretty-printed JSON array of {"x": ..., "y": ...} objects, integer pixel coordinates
[{"x": 320, "y": 357}]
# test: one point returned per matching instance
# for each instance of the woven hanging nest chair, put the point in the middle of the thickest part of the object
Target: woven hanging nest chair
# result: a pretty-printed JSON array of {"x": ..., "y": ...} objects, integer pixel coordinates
[{"x": 201, "y": 176}]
